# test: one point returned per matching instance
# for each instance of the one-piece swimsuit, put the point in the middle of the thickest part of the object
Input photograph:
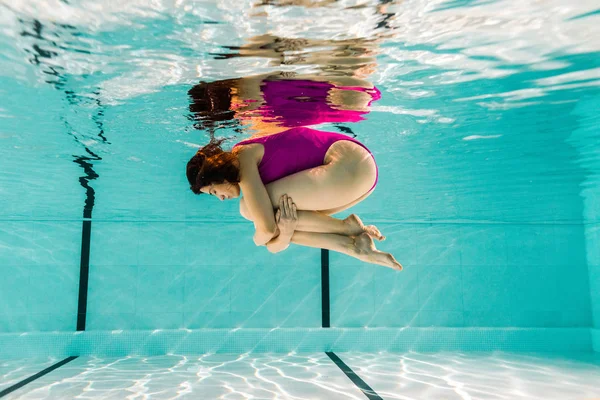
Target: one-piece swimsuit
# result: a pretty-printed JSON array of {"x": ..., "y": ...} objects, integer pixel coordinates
[{"x": 296, "y": 149}]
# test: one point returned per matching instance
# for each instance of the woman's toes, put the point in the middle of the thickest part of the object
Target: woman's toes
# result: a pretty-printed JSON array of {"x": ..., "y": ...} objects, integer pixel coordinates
[
  {"x": 374, "y": 232},
  {"x": 394, "y": 263}
]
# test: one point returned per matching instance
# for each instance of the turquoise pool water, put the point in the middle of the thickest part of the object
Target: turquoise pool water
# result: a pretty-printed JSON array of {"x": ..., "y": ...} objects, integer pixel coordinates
[{"x": 486, "y": 135}]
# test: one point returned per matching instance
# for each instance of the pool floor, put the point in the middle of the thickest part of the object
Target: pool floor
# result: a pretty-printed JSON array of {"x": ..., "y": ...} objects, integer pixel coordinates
[{"x": 420, "y": 376}]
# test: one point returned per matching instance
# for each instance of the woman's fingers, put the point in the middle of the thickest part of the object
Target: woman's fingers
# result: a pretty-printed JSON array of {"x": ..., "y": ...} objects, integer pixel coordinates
[
  {"x": 292, "y": 213},
  {"x": 284, "y": 206},
  {"x": 287, "y": 207}
]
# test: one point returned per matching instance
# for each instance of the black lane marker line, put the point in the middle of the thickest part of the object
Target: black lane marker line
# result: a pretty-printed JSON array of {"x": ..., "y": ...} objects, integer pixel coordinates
[
  {"x": 85, "y": 162},
  {"x": 84, "y": 273},
  {"x": 362, "y": 385},
  {"x": 325, "y": 312},
  {"x": 32, "y": 378}
]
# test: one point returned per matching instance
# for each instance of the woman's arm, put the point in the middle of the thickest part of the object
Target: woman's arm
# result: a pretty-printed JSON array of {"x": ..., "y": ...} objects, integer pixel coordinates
[
  {"x": 287, "y": 221},
  {"x": 280, "y": 243},
  {"x": 257, "y": 200}
]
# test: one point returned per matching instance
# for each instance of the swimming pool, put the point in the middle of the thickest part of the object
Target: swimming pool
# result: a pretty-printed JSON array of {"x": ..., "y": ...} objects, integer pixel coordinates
[{"x": 485, "y": 132}]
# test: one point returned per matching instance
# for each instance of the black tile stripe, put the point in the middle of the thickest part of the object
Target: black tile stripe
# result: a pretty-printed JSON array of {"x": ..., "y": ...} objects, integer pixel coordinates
[
  {"x": 32, "y": 378},
  {"x": 84, "y": 272},
  {"x": 85, "y": 162},
  {"x": 325, "y": 312},
  {"x": 362, "y": 385}
]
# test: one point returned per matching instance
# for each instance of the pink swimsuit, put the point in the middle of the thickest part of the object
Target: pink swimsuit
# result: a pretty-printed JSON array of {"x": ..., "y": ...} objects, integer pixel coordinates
[
  {"x": 294, "y": 103},
  {"x": 294, "y": 150}
]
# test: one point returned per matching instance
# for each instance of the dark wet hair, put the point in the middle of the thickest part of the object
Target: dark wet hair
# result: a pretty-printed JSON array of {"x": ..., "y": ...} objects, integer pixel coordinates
[
  {"x": 210, "y": 103},
  {"x": 211, "y": 165}
]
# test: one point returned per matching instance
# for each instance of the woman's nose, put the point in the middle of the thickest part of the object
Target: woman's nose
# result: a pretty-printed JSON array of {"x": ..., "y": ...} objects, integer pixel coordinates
[{"x": 221, "y": 197}]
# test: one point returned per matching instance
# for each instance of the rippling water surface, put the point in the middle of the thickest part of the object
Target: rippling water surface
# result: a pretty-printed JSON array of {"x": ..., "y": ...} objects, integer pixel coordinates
[{"x": 484, "y": 111}]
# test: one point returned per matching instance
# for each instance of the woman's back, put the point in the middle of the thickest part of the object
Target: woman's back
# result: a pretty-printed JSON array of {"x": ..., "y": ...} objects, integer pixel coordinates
[{"x": 294, "y": 150}]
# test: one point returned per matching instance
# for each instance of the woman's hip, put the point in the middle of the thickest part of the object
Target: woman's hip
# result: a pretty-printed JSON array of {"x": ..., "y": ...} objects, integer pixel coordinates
[{"x": 354, "y": 158}]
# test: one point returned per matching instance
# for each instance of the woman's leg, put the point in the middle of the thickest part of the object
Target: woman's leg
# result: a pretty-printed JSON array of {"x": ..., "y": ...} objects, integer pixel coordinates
[
  {"x": 360, "y": 247},
  {"x": 336, "y": 210},
  {"x": 315, "y": 221}
]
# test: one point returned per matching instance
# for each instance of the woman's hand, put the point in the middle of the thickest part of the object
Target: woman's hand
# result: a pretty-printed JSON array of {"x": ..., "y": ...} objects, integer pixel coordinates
[{"x": 287, "y": 216}]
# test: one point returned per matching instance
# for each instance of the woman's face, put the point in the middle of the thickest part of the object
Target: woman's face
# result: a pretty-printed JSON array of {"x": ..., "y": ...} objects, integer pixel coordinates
[{"x": 223, "y": 191}]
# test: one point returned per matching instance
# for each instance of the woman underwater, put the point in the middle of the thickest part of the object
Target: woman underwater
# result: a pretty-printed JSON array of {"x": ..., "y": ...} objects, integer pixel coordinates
[{"x": 292, "y": 181}]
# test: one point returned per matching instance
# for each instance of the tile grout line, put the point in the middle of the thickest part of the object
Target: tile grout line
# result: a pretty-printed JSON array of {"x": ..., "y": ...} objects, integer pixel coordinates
[
  {"x": 32, "y": 378},
  {"x": 240, "y": 222},
  {"x": 362, "y": 385}
]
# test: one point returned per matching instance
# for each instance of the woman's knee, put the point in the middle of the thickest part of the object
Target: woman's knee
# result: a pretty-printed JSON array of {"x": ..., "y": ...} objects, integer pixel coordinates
[{"x": 336, "y": 210}]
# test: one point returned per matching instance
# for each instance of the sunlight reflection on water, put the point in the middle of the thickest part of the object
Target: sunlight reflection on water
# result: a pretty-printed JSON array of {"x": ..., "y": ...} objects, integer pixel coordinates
[{"x": 314, "y": 376}]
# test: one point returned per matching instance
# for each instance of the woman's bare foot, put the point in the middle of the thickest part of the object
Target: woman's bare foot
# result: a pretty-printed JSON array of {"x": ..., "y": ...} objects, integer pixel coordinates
[
  {"x": 356, "y": 227},
  {"x": 368, "y": 253}
]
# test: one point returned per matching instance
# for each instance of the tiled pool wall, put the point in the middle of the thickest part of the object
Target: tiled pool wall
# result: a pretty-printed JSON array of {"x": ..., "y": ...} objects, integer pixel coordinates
[
  {"x": 585, "y": 139},
  {"x": 173, "y": 275},
  {"x": 170, "y": 275},
  {"x": 592, "y": 241},
  {"x": 119, "y": 343}
]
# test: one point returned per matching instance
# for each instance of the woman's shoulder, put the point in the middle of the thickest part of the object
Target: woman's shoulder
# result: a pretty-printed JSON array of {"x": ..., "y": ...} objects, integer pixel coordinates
[
  {"x": 257, "y": 140},
  {"x": 249, "y": 152}
]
